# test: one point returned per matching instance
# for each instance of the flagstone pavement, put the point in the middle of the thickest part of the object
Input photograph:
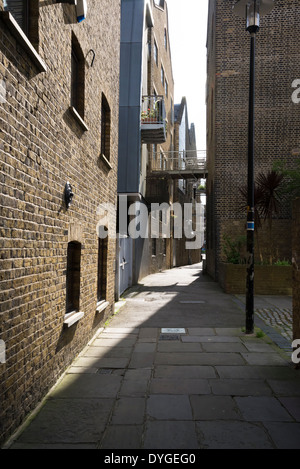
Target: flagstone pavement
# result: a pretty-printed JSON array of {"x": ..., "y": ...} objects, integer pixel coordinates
[{"x": 174, "y": 369}]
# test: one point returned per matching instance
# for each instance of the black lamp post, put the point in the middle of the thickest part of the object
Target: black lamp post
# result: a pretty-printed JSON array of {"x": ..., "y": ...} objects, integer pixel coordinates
[{"x": 251, "y": 10}]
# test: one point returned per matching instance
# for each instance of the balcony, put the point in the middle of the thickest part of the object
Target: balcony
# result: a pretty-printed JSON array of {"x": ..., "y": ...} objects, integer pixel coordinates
[
  {"x": 179, "y": 165},
  {"x": 153, "y": 120}
]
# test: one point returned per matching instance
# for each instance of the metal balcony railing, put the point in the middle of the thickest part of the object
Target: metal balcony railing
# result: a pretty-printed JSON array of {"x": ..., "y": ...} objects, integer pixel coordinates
[
  {"x": 180, "y": 165},
  {"x": 153, "y": 119}
]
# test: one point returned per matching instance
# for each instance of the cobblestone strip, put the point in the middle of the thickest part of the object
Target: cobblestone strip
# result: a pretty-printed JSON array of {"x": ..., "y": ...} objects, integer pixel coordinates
[{"x": 281, "y": 319}]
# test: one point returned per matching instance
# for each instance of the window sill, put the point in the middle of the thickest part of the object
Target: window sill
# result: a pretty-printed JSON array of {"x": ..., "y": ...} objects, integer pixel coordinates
[
  {"x": 78, "y": 118},
  {"x": 105, "y": 160},
  {"x": 21, "y": 37},
  {"x": 101, "y": 306},
  {"x": 72, "y": 318}
]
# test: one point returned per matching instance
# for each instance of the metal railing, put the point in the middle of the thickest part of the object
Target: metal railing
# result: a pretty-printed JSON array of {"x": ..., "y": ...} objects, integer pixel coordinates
[
  {"x": 194, "y": 161},
  {"x": 153, "y": 110}
]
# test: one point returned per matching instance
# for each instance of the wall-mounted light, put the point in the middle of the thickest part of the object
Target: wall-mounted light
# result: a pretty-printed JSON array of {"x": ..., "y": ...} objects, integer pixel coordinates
[
  {"x": 81, "y": 10},
  {"x": 68, "y": 194}
]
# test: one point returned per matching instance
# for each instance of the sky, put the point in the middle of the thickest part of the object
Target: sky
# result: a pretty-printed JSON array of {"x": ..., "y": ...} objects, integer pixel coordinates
[{"x": 187, "y": 29}]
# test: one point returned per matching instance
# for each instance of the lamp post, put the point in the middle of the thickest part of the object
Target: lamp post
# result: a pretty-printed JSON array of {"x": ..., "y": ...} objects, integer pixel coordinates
[{"x": 251, "y": 10}]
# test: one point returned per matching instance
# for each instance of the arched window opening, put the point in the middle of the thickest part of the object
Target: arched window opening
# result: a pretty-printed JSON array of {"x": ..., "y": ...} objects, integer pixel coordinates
[{"x": 73, "y": 277}]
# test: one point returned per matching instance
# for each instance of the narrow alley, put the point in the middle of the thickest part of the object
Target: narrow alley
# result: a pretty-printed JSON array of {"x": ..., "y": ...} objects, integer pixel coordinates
[{"x": 172, "y": 369}]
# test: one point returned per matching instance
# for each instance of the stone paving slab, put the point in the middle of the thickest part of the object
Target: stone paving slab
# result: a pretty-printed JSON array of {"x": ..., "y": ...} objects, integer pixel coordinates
[
  {"x": 133, "y": 387},
  {"x": 233, "y": 435}
]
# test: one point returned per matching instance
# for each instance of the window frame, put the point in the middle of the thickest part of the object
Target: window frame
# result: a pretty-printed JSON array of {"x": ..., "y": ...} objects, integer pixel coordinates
[{"x": 105, "y": 128}]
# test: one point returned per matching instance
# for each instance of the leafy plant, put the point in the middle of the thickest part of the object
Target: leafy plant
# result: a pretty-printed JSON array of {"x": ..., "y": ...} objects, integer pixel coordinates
[
  {"x": 283, "y": 262},
  {"x": 291, "y": 181},
  {"x": 233, "y": 249},
  {"x": 267, "y": 202}
]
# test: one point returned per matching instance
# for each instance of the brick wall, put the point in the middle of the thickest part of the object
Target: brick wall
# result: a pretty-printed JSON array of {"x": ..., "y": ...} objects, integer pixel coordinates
[
  {"x": 42, "y": 147},
  {"x": 296, "y": 270},
  {"x": 277, "y": 116}
]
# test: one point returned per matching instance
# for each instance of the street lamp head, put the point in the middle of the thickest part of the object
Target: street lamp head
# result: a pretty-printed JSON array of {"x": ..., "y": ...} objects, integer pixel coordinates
[{"x": 251, "y": 10}]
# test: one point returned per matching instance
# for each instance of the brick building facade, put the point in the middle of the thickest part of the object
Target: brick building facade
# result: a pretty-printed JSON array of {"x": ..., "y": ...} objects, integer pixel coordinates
[
  {"x": 59, "y": 105},
  {"x": 296, "y": 269},
  {"x": 277, "y": 134}
]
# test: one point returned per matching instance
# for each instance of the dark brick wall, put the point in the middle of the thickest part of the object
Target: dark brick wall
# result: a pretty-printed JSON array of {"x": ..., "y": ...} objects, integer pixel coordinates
[
  {"x": 296, "y": 269},
  {"x": 277, "y": 117}
]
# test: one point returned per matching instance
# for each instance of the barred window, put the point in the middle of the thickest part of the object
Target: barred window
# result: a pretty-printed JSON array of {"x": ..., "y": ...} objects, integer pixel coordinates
[{"x": 105, "y": 128}]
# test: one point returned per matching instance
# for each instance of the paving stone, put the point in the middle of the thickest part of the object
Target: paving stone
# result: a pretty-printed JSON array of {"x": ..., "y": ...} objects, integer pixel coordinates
[
  {"x": 145, "y": 347},
  {"x": 122, "y": 330},
  {"x": 262, "y": 409},
  {"x": 122, "y": 343},
  {"x": 107, "y": 352},
  {"x": 255, "y": 372},
  {"x": 240, "y": 387},
  {"x": 213, "y": 338},
  {"x": 150, "y": 332},
  {"x": 236, "y": 347},
  {"x": 134, "y": 388},
  {"x": 170, "y": 435},
  {"x": 284, "y": 435},
  {"x": 184, "y": 372},
  {"x": 129, "y": 411},
  {"x": 214, "y": 408},
  {"x": 254, "y": 358},
  {"x": 259, "y": 347},
  {"x": 232, "y": 435},
  {"x": 230, "y": 331},
  {"x": 292, "y": 404},
  {"x": 202, "y": 331},
  {"x": 123, "y": 436},
  {"x": 141, "y": 360},
  {"x": 95, "y": 362},
  {"x": 69, "y": 421},
  {"x": 179, "y": 386},
  {"x": 169, "y": 407},
  {"x": 285, "y": 388},
  {"x": 179, "y": 347},
  {"x": 87, "y": 386},
  {"x": 199, "y": 359}
]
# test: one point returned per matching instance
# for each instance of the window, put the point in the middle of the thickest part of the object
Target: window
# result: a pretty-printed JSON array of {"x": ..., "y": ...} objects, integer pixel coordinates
[
  {"x": 19, "y": 10},
  {"x": 77, "y": 77},
  {"x": 155, "y": 53},
  {"x": 153, "y": 246},
  {"x": 73, "y": 277},
  {"x": 105, "y": 128},
  {"x": 166, "y": 88},
  {"x": 102, "y": 269},
  {"x": 162, "y": 75},
  {"x": 26, "y": 14},
  {"x": 166, "y": 39}
]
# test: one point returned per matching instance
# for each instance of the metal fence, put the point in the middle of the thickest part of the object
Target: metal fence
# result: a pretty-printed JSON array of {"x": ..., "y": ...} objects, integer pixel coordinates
[{"x": 179, "y": 161}]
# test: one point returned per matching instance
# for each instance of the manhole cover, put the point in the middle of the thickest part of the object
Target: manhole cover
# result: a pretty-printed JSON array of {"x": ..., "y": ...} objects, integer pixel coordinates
[
  {"x": 169, "y": 337},
  {"x": 105, "y": 371}
]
